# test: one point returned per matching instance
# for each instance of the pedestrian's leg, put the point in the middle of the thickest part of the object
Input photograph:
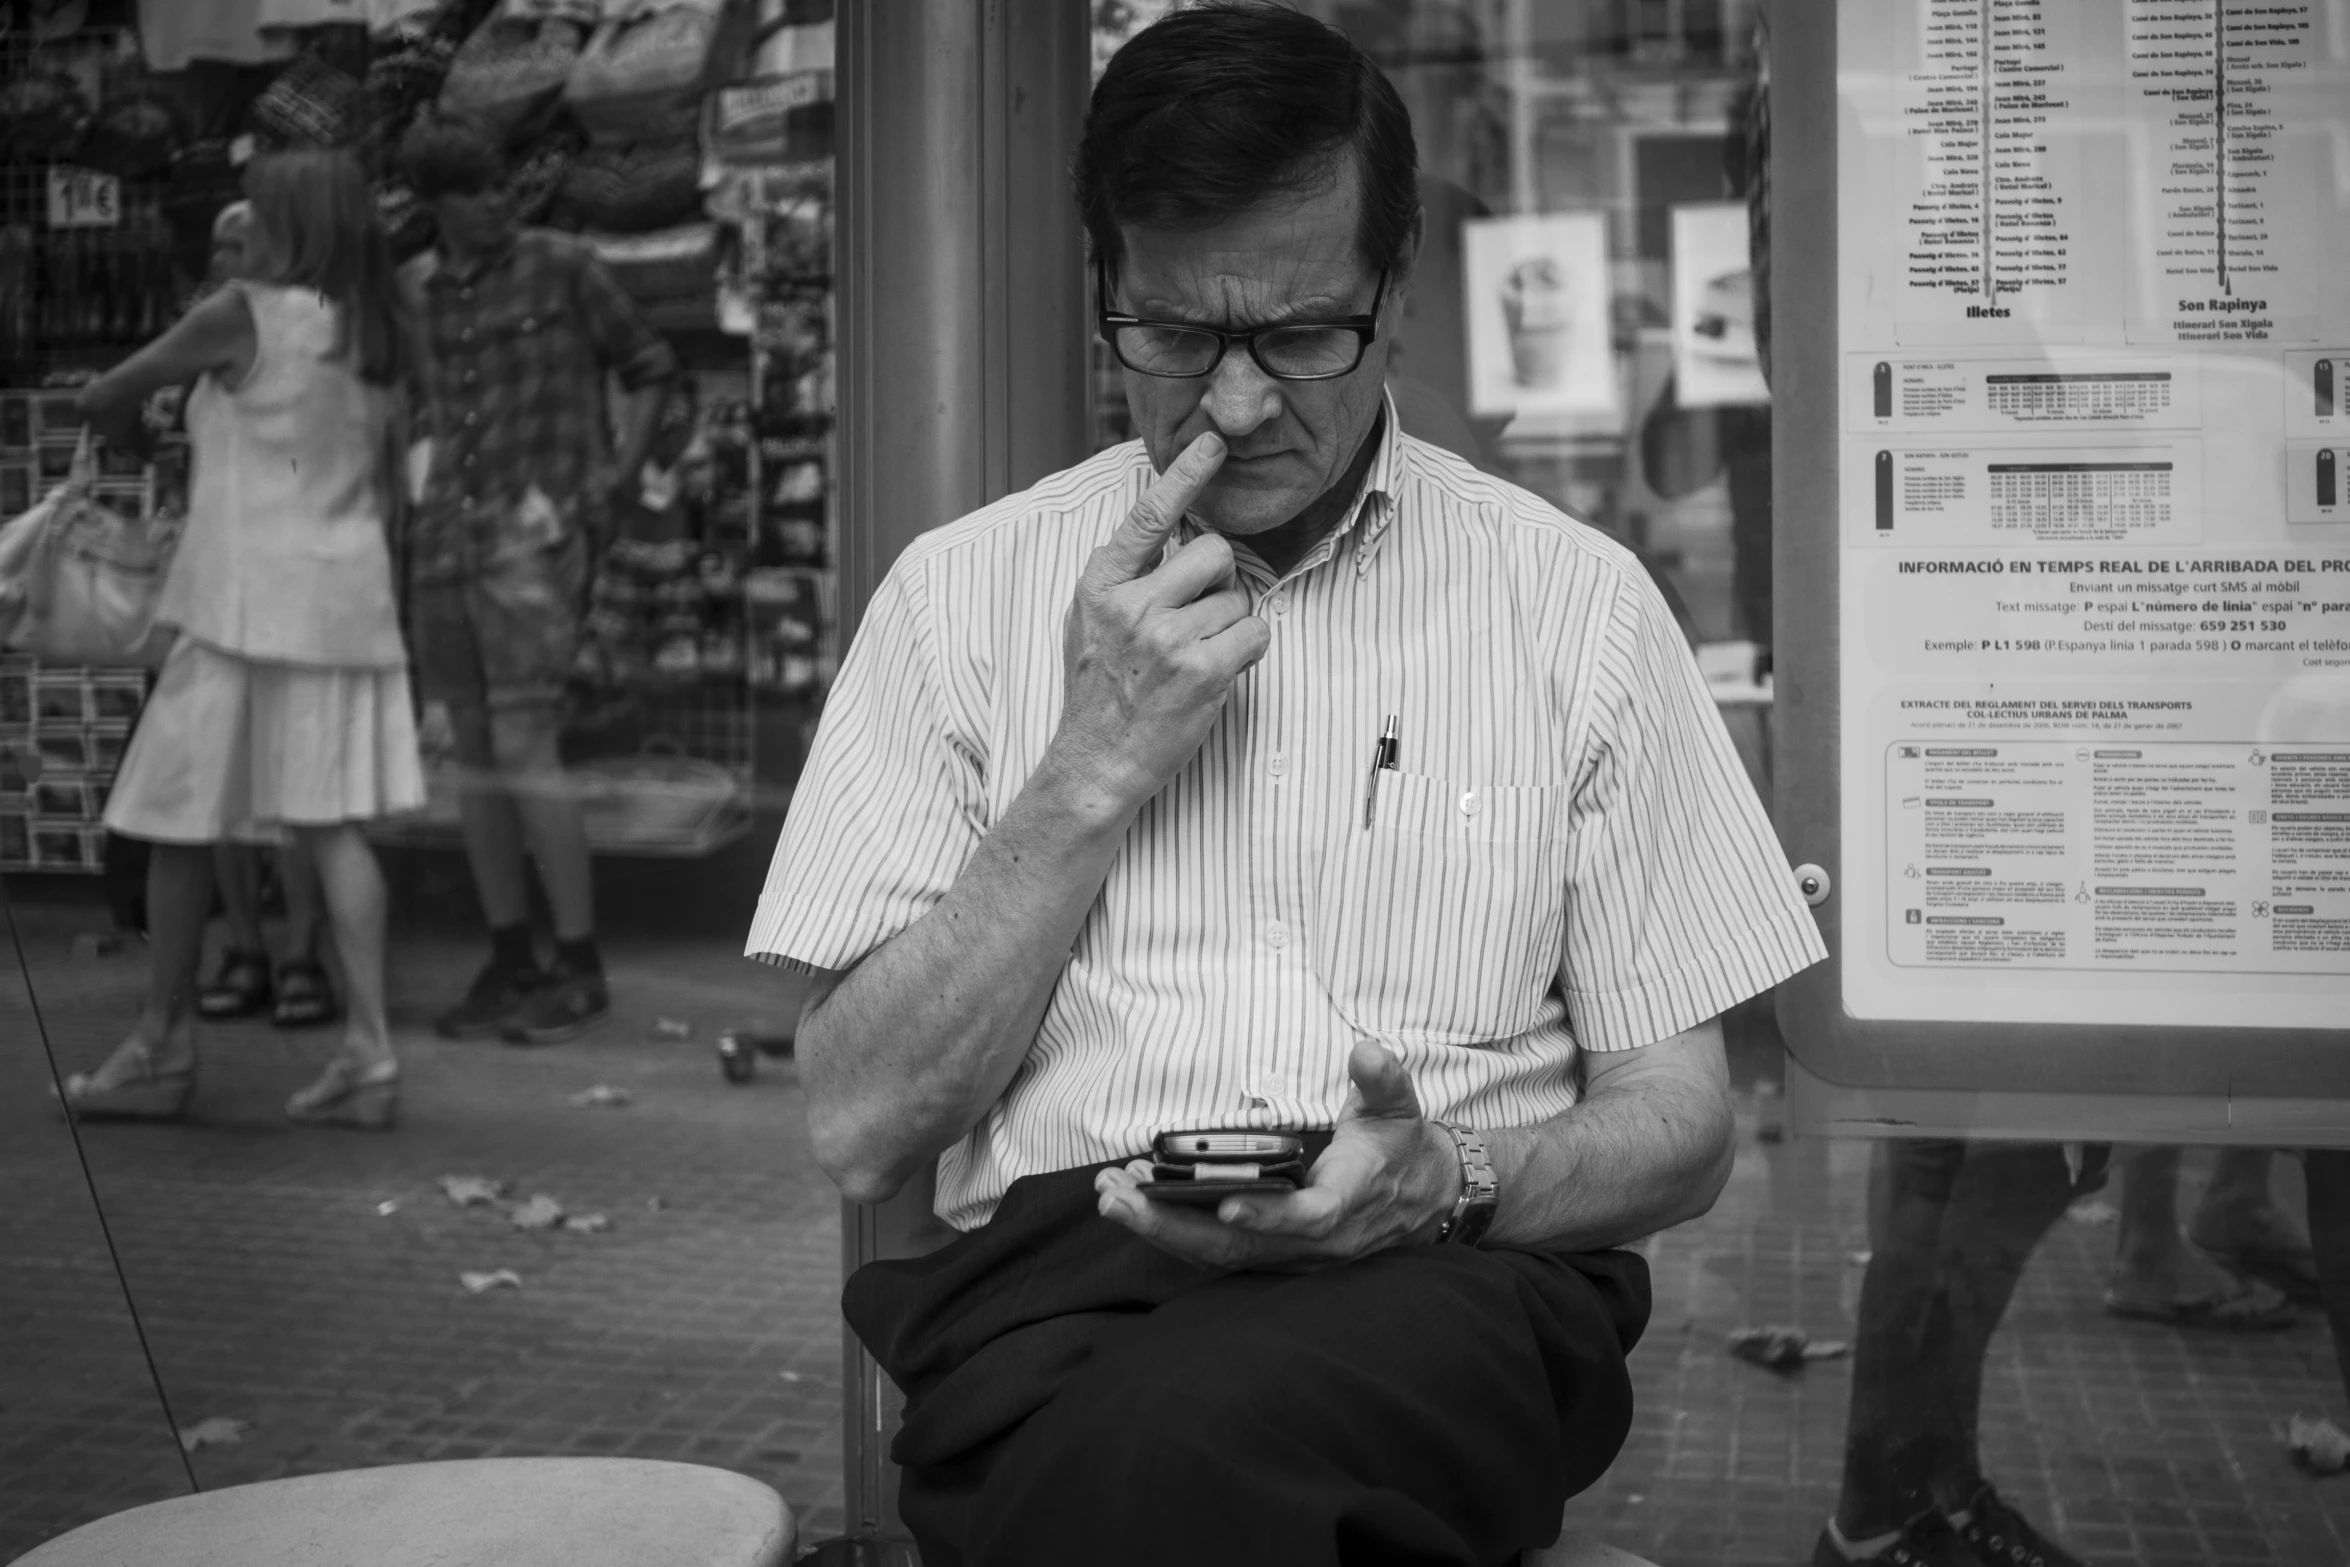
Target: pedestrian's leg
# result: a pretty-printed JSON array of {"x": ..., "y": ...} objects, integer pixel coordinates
[
  {"x": 179, "y": 901},
  {"x": 491, "y": 822},
  {"x": 2004, "y": 1201},
  {"x": 361, "y": 1085},
  {"x": 2241, "y": 1223},
  {"x": 1896, "y": 1431},
  {"x": 297, "y": 874},
  {"x": 2157, "y": 1276},
  {"x": 305, "y": 997},
  {"x": 353, "y": 885},
  {"x": 236, "y": 868},
  {"x": 526, "y": 742},
  {"x": 572, "y": 998},
  {"x": 2329, "y": 1234},
  {"x": 241, "y": 986}
]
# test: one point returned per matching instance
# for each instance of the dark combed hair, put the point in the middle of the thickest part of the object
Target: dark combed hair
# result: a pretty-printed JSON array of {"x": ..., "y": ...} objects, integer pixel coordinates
[
  {"x": 1222, "y": 105},
  {"x": 451, "y": 155}
]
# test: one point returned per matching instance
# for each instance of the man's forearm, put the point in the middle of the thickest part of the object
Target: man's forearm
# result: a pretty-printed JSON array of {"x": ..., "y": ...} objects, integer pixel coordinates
[
  {"x": 906, "y": 1053},
  {"x": 640, "y": 417},
  {"x": 1640, "y": 1153}
]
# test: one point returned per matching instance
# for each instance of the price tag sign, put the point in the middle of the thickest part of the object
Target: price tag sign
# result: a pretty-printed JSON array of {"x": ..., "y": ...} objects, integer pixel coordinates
[{"x": 84, "y": 199}]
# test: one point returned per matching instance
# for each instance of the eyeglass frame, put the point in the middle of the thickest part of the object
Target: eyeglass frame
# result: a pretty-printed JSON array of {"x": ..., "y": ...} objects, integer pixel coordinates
[{"x": 1107, "y": 322}]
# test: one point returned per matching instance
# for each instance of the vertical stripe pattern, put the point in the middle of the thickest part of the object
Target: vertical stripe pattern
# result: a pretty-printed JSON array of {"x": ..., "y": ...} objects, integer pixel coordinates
[{"x": 1567, "y": 854}]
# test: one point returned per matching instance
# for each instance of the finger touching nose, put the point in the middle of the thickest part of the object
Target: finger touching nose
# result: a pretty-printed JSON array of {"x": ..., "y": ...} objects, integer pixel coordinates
[{"x": 1240, "y": 396}]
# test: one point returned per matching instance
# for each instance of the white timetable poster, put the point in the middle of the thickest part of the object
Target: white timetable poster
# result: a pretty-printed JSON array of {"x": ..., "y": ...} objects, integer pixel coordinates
[{"x": 2094, "y": 510}]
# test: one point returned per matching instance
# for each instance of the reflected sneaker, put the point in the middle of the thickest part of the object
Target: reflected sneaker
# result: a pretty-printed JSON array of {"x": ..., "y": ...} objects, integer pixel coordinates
[
  {"x": 498, "y": 992},
  {"x": 1999, "y": 1534},
  {"x": 565, "y": 1005},
  {"x": 1925, "y": 1541}
]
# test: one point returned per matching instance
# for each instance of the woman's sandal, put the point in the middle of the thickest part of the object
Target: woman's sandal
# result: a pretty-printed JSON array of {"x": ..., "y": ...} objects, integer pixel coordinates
[
  {"x": 141, "y": 1094},
  {"x": 347, "y": 1094},
  {"x": 304, "y": 997},
  {"x": 240, "y": 989}
]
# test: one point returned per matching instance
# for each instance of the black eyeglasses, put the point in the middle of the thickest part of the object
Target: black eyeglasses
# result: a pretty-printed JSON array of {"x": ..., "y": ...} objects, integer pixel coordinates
[{"x": 1292, "y": 351}]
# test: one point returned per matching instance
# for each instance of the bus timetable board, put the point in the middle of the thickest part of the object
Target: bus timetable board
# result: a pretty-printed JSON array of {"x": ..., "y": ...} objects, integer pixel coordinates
[{"x": 2074, "y": 459}]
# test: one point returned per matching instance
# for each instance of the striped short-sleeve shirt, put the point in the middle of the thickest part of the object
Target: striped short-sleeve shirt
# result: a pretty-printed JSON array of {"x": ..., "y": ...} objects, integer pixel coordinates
[{"x": 1565, "y": 856}]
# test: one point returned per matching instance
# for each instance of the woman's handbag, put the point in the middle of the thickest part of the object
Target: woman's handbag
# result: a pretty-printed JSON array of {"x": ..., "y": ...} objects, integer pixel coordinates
[
  {"x": 645, "y": 70},
  {"x": 510, "y": 74},
  {"x": 78, "y": 583}
]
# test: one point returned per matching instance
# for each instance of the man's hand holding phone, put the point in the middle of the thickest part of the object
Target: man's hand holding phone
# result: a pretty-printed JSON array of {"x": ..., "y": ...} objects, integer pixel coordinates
[{"x": 1388, "y": 1178}]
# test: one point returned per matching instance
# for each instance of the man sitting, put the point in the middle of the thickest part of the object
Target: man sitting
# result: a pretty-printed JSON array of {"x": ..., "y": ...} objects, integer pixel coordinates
[{"x": 1099, "y": 840}]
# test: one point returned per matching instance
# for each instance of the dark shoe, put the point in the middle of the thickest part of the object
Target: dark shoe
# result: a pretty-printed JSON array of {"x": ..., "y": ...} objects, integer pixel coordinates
[
  {"x": 240, "y": 989},
  {"x": 498, "y": 993},
  {"x": 1999, "y": 1534},
  {"x": 305, "y": 999},
  {"x": 1925, "y": 1541},
  {"x": 566, "y": 1006}
]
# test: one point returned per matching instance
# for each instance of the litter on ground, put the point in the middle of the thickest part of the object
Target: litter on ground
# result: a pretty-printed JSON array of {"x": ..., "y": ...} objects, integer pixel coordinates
[
  {"x": 1783, "y": 1348},
  {"x": 216, "y": 1431},
  {"x": 541, "y": 1212},
  {"x": 472, "y": 1191},
  {"x": 483, "y": 1283}
]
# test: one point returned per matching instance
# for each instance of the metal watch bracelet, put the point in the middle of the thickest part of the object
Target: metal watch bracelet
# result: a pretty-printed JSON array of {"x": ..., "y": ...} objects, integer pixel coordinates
[{"x": 1480, "y": 1195}]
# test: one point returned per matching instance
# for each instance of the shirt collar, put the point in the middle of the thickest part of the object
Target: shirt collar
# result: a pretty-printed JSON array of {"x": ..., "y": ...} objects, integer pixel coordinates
[
  {"x": 1373, "y": 507},
  {"x": 445, "y": 273}
]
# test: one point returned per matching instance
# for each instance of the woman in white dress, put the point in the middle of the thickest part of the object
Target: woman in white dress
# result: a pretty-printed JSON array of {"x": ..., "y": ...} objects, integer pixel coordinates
[{"x": 284, "y": 703}]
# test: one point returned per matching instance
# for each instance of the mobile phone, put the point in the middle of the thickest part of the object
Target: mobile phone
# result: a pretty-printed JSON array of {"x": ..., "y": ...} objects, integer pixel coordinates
[
  {"x": 1202, "y": 1168},
  {"x": 1228, "y": 1147}
]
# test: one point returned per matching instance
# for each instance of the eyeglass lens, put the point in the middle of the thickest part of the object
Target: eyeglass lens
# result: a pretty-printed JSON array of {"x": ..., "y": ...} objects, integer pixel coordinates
[{"x": 1301, "y": 351}]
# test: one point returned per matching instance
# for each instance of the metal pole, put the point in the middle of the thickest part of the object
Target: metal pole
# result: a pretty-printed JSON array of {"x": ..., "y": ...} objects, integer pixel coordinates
[
  {"x": 961, "y": 321},
  {"x": 960, "y": 338}
]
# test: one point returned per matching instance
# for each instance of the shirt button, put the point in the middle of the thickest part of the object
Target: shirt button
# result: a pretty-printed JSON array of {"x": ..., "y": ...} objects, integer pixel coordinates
[
  {"x": 1470, "y": 804},
  {"x": 1280, "y": 763},
  {"x": 1281, "y": 603},
  {"x": 1276, "y": 935}
]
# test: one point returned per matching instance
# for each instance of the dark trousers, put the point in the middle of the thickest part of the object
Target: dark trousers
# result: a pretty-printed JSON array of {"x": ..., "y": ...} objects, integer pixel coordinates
[
  {"x": 1958, "y": 1223},
  {"x": 1074, "y": 1395}
]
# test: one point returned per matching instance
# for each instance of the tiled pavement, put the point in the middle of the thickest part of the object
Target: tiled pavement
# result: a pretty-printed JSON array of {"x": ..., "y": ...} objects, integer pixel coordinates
[{"x": 275, "y": 1292}]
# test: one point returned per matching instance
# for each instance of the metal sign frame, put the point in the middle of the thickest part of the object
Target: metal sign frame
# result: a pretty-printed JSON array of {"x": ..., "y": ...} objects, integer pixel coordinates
[{"x": 1902, "y": 1078}]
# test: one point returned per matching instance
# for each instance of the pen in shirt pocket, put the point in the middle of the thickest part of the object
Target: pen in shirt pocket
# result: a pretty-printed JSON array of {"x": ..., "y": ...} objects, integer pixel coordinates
[{"x": 1382, "y": 756}]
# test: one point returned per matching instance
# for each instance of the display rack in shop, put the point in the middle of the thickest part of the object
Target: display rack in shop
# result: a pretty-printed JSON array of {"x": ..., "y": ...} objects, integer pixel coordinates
[{"x": 712, "y": 613}]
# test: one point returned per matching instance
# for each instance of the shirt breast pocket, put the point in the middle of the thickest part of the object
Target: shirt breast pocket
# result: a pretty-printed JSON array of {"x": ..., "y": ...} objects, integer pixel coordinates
[{"x": 1441, "y": 923}]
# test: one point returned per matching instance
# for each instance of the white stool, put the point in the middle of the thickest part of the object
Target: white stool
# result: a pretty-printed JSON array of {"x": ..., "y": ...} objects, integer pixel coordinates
[{"x": 485, "y": 1512}]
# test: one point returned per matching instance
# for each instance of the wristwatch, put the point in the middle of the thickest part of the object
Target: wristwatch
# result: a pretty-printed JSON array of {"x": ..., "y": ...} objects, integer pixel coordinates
[{"x": 1480, "y": 1192}]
